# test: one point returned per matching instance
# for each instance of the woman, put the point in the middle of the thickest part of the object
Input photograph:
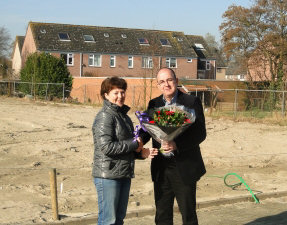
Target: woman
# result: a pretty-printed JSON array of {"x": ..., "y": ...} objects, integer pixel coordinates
[{"x": 114, "y": 152}]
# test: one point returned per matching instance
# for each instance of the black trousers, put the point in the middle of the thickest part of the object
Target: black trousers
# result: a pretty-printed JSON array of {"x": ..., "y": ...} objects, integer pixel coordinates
[{"x": 168, "y": 187}]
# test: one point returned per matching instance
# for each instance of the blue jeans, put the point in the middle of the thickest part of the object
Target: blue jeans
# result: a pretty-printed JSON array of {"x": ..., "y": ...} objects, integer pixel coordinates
[{"x": 113, "y": 197}]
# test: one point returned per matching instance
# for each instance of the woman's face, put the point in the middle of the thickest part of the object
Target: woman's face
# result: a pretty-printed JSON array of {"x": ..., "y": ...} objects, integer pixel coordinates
[{"x": 116, "y": 96}]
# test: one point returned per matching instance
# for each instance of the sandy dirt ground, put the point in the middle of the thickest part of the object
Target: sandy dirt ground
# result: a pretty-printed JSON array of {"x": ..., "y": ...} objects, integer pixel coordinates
[{"x": 38, "y": 136}]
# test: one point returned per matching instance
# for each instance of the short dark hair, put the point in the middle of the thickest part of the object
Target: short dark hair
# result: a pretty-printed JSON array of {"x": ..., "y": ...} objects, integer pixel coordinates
[
  {"x": 171, "y": 70},
  {"x": 111, "y": 83}
]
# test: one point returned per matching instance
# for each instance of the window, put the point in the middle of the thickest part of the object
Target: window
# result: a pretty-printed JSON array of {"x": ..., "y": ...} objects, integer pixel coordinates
[
  {"x": 113, "y": 61},
  {"x": 68, "y": 58},
  {"x": 64, "y": 37},
  {"x": 207, "y": 65},
  {"x": 180, "y": 39},
  {"x": 89, "y": 38},
  {"x": 143, "y": 41},
  {"x": 131, "y": 62},
  {"x": 199, "y": 46},
  {"x": 95, "y": 60},
  {"x": 147, "y": 62},
  {"x": 124, "y": 36},
  {"x": 106, "y": 35},
  {"x": 171, "y": 62},
  {"x": 164, "y": 42},
  {"x": 189, "y": 60}
]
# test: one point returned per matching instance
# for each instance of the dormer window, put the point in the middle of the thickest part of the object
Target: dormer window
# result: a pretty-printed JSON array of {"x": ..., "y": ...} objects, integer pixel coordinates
[
  {"x": 143, "y": 41},
  {"x": 124, "y": 36},
  {"x": 88, "y": 38},
  {"x": 43, "y": 31},
  {"x": 164, "y": 42},
  {"x": 199, "y": 46},
  {"x": 106, "y": 35},
  {"x": 180, "y": 39},
  {"x": 64, "y": 37}
]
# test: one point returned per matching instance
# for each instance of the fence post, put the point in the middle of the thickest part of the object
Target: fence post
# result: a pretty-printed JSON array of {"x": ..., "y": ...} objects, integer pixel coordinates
[
  {"x": 63, "y": 92},
  {"x": 235, "y": 103},
  {"x": 283, "y": 104},
  {"x": 53, "y": 187},
  {"x": 46, "y": 97}
]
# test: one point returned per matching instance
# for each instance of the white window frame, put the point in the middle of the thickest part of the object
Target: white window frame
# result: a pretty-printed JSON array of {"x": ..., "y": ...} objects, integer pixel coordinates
[
  {"x": 168, "y": 62},
  {"x": 146, "y": 42},
  {"x": 112, "y": 61},
  {"x": 189, "y": 60},
  {"x": 93, "y": 57},
  {"x": 65, "y": 39},
  {"x": 147, "y": 62},
  {"x": 130, "y": 62},
  {"x": 69, "y": 58},
  {"x": 87, "y": 36},
  {"x": 167, "y": 42}
]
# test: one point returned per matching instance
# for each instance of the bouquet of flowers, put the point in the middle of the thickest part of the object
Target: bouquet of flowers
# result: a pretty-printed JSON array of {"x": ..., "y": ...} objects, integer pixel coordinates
[{"x": 166, "y": 123}]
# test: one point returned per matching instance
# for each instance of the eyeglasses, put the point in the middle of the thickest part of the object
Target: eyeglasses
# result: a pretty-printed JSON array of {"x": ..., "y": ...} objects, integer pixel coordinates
[{"x": 168, "y": 81}]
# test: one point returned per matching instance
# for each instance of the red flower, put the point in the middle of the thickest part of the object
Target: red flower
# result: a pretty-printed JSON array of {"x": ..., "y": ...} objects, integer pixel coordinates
[
  {"x": 187, "y": 121},
  {"x": 169, "y": 113},
  {"x": 152, "y": 121},
  {"x": 158, "y": 112}
]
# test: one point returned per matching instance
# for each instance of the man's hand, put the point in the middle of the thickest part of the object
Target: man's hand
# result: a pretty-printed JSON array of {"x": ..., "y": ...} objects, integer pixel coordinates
[{"x": 168, "y": 146}]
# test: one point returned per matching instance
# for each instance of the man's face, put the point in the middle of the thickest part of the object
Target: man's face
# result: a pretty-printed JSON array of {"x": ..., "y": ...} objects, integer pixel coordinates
[{"x": 166, "y": 83}]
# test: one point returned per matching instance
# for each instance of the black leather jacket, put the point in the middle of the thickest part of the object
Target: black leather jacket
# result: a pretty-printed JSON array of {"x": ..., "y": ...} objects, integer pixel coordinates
[{"x": 114, "y": 148}]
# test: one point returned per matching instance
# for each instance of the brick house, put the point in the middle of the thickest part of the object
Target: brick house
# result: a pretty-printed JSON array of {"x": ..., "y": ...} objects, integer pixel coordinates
[
  {"x": 16, "y": 55},
  {"x": 93, "y": 51}
]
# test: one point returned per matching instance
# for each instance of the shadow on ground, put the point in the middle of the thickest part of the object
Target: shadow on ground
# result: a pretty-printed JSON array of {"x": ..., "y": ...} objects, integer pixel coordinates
[{"x": 279, "y": 219}]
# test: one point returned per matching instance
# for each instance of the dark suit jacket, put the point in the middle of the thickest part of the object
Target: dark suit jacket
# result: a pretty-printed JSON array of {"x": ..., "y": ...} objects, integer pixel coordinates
[{"x": 187, "y": 157}]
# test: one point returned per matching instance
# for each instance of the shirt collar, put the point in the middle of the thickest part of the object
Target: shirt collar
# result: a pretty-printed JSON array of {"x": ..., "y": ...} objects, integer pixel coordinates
[{"x": 173, "y": 100}]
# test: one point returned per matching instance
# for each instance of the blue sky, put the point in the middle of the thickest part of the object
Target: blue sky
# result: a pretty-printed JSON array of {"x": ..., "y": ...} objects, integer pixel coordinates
[{"x": 189, "y": 16}]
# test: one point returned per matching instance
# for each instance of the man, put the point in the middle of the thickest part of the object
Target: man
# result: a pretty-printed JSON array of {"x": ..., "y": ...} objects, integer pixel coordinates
[{"x": 176, "y": 176}]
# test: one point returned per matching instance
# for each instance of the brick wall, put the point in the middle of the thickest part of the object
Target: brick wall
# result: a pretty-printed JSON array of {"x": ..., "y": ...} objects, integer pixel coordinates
[
  {"x": 29, "y": 45},
  {"x": 138, "y": 94}
]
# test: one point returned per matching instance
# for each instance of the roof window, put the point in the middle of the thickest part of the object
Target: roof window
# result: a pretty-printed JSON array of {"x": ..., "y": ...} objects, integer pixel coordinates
[
  {"x": 124, "y": 36},
  {"x": 43, "y": 31},
  {"x": 143, "y": 41},
  {"x": 180, "y": 39},
  {"x": 106, "y": 35},
  {"x": 164, "y": 42},
  {"x": 199, "y": 46},
  {"x": 88, "y": 38},
  {"x": 64, "y": 37}
]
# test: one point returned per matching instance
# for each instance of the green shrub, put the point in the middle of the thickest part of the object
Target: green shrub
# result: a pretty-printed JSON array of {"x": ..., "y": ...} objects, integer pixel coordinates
[{"x": 45, "y": 68}]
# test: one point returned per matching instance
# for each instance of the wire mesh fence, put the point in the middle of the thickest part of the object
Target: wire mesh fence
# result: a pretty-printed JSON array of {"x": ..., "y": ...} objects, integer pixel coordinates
[
  {"x": 46, "y": 91},
  {"x": 230, "y": 102},
  {"x": 244, "y": 103}
]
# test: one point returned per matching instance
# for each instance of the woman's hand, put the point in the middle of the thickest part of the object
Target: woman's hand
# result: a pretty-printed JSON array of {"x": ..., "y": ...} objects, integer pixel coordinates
[
  {"x": 149, "y": 152},
  {"x": 140, "y": 143}
]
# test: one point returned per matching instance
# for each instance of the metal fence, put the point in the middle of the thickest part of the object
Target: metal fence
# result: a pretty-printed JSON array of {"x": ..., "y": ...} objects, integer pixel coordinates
[
  {"x": 229, "y": 102},
  {"x": 244, "y": 103},
  {"x": 47, "y": 91}
]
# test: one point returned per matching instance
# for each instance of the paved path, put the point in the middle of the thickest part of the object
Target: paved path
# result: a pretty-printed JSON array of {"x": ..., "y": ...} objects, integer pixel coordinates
[{"x": 268, "y": 212}]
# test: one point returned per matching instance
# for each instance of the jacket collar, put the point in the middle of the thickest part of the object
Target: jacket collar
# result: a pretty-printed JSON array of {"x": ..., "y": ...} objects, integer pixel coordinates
[{"x": 114, "y": 107}]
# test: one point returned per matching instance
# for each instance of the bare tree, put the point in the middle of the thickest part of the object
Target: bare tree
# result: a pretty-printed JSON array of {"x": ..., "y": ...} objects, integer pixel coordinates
[{"x": 5, "y": 45}]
